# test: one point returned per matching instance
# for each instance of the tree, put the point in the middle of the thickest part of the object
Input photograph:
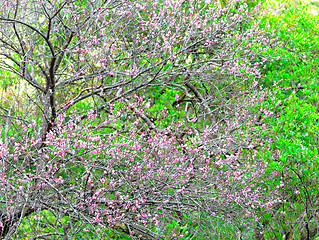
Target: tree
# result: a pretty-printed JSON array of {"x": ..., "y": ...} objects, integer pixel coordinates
[{"x": 136, "y": 115}]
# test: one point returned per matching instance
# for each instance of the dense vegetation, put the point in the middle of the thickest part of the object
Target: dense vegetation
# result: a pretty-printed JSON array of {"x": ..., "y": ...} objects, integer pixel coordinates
[{"x": 158, "y": 120}]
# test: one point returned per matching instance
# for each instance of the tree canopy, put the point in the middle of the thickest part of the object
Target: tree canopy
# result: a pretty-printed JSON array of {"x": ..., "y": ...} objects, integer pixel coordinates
[{"x": 129, "y": 117}]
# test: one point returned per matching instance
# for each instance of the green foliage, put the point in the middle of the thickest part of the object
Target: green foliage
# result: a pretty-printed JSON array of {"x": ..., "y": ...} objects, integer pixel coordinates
[
  {"x": 294, "y": 126},
  {"x": 163, "y": 101},
  {"x": 43, "y": 222}
]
